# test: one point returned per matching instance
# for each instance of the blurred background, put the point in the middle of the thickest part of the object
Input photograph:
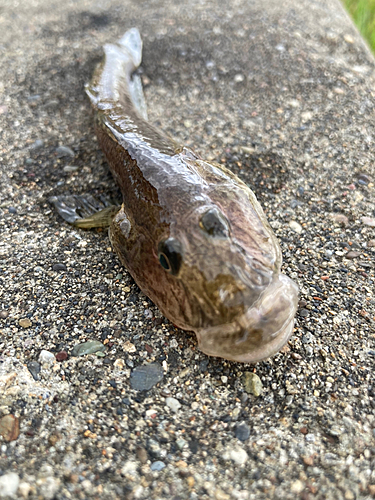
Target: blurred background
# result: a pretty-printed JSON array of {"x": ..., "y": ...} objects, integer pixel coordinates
[{"x": 363, "y": 14}]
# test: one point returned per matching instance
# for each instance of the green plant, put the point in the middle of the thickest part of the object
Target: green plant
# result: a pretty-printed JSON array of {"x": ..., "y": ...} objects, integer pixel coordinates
[{"x": 363, "y": 14}]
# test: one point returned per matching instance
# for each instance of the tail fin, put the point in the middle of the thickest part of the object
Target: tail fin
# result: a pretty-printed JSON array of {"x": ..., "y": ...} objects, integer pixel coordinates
[
  {"x": 131, "y": 41},
  {"x": 116, "y": 75}
]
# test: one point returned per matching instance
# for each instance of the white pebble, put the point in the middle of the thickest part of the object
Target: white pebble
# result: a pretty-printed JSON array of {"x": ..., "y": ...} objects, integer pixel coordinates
[
  {"x": 9, "y": 484},
  {"x": 173, "y": 404},
  {"x": 295, "y": 226},
  {"x": 238, "y": 455},
  {"x": 24, "y": 489},
  {"x": 297, "y": 486},
  {"x": 46, "y": 357},
  {"x": 239, "y": 78}
]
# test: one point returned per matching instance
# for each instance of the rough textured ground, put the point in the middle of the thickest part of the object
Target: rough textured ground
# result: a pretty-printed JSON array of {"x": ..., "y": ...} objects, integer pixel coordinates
[{"x": 281, "y": 92}]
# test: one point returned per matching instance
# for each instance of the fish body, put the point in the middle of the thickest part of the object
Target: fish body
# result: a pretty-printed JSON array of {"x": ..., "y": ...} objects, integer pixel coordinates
[{"x": 191, "y": 233}]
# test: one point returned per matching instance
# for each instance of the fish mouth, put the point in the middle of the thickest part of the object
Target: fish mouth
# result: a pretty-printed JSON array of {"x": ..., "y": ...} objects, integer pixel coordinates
[{"x": 258, "y": 333}]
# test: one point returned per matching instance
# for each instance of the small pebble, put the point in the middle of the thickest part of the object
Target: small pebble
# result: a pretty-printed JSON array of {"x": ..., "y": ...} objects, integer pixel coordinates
[
  {"x": 348, "y": 38},
  {"x": 295, "y": 203},
  {"x": 46, "y": 357},
  {"x": 238, "y": 455},
  {"x": 4, "y": 314},
  {"x": 242, "y": 431},
  {"x": 25, "y": 323},
  {"x": 173, "y": 404},
  {"x": 70, "y": 168},
  {"x": 142, "y": 455},
  {"x": 297, "y": 486},
  {"x": 37, "y": 144},
  {"x": 295, "y": 226},
  {"x": 59, "y": 267},
  {"x": 9, "y": 427},
  {"x": 34, "y": 369},
  {"x": 61, "y": 356},
  {"x": 24, "y": 489},
  {"x": 64, "y": 151},
  {"x": 144, "y": 377},
  {"x": 252, "y": 383},
  {"x": 368, "y": 221},
  {"x": 239, "y": 78},
  {"x": 158, "y": 465},
  {"x": 352, "y": 254},
  {"x": 181, "y": 443},
  {"x": 12, "y": 210},
  {"x": 340, "y": 219},
  {"x": 90, "y": 347},
  {"x": 304, "y": 313},
  {"x": 363, "y": 178},
  {"x": 9, "y": 484},
  {"x": 129, "y": 347}
]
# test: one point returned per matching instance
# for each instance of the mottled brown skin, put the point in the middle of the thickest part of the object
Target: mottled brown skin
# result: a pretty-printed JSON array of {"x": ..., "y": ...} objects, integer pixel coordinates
[{"x": 227, "y": 287}]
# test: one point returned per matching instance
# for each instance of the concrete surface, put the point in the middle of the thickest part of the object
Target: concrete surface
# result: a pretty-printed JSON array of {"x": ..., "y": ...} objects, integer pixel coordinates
[{"x": 282, "y": 93}]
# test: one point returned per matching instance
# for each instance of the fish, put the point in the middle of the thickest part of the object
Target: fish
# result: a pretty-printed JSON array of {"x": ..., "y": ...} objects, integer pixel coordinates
[{"x": 190, "y": 232}]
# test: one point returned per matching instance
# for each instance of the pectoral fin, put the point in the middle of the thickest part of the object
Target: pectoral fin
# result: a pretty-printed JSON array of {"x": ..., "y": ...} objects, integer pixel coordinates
[{"x": 85, "y": 211}]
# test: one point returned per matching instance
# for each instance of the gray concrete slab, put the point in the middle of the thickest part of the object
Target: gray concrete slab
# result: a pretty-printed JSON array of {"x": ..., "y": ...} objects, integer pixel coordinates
[{"x": 283, "y": 94}]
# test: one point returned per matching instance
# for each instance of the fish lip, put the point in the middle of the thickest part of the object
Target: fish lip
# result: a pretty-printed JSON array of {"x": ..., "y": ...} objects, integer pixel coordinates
[{"x": 261, "y": 331}]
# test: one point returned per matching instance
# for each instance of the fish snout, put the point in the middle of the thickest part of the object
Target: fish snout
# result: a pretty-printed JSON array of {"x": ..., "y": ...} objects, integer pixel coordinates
[{"x": 260, "y": 331}]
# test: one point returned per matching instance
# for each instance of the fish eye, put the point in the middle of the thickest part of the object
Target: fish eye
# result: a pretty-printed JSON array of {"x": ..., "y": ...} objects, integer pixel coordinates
[
  {"x": 170, "y": 255},
  {"x": 214, "y": 223}
]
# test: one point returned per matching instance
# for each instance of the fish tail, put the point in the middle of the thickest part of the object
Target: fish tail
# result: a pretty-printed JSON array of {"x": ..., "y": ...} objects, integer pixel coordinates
[
  {"x": 131, "y": 42},
  {"x": 115, "y": 80}
]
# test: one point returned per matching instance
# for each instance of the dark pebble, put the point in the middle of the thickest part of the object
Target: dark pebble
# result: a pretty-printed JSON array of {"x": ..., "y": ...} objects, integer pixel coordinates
[
  {"x": 34, "y": 369},
  {"x": 194, "y": 445},
  {"x": 144, "y": 377},
  {"x": 61, "y": 356},
  {"x": 363, "y": 179},
  {"x": 365, "y": 264},
  {"x": 203, "y": 365},
  {"x": 304, "y": 313},
  {"x": 112, "y": 383},
  {"x": 12, "y": 210},
  {"x": 242, "y": 431},
  {"x": 59, "y": 267}
]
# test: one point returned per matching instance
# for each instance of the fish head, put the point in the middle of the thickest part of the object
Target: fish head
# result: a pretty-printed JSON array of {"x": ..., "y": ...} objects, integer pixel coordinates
[{"x": 224, "y": 262}]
